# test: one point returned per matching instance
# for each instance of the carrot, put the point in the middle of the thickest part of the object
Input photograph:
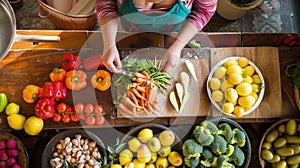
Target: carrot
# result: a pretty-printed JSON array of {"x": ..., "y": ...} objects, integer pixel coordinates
[
  {"x": 143, "y": 100},
  {"x": 137, "y": 94},
  {"x": 132, "y": 96},
  {"x": 123, "y": 108},
  {"x": 147, "y": 96},
  {"x": 141, "y": 89},
  {"x": 137, "y": 83},
  {"x": 138, "y": 80},
  {"x": 140, "y": 75},
  {"x": 146, "y": 74}
]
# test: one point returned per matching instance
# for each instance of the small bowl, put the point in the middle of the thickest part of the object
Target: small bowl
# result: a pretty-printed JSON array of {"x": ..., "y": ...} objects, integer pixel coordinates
[
  {"x": 22, "y": 158},
  {"x": 262, "y": 162},
  {"x": 65, "y": 21},
  {"x": 260, "y": 95},
  {"x": 50, "y": 148}
]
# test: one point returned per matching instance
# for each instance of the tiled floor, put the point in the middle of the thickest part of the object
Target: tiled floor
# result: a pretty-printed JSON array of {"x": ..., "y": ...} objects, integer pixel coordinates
[{"x": 272, "y": 16}]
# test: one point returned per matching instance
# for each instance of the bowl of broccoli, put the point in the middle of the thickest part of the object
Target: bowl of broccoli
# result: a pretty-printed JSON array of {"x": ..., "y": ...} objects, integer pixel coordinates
[{"x": 217, "y": 142}]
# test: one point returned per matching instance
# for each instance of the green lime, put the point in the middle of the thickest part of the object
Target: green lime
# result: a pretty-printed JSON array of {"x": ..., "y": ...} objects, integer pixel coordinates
[{"x": 12, "y": 108}]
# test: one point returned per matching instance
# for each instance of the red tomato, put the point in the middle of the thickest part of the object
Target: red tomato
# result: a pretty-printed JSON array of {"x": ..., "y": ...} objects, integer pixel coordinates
[
  {"x": 70, "y": 109},
  {"x": 79, "y": 107},
  {"x": 100, "y": 120},
  {"x": 90, "y": 120},
  {"x": 98, "y": 109},
  {"x": 74, "y": 117},
  {"x": 61, "y": 107},
  {"x": 65, "y": 118},
  {"x": 81, "y": 116},
  {"x": 56, "y": 117},
  {"x": 89, "y": 108}
]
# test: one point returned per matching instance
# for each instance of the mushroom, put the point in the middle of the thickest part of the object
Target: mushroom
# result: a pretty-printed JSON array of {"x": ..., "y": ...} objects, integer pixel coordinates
[
  {"x": 78, "y": 138},
  {"x": 81, "y": 165}
]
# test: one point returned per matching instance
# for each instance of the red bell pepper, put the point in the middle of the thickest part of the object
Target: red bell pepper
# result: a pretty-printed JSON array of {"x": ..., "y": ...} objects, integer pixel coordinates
[
  {"x": 56, "y": 90},
  {"x": 70, "y": 61},
  {"x": 93, "y": 62},
  {"x": 48, "y": 90},
  {"x": 45, "y": 108}
]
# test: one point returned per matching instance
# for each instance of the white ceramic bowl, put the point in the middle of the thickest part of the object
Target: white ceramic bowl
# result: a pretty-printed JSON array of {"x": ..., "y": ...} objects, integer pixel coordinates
[{"x": 260, "y": 95}]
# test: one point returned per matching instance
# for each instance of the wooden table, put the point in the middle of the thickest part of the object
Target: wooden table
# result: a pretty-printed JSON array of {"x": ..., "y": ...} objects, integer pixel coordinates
[{"x": 48, "y": 54}]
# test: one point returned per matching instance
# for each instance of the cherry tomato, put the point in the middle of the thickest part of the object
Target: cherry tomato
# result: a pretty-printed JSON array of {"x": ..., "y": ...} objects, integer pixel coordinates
[
  {"x": 56, "y": 117},
  {"x": 74, "y": 117},
  {"x": 98, "y": 109},
  {"x": 69, "y": 109},
  {"x": 100, "y": 120},
  {"x": 90, "y": 120},
  {"x": 79, "y": 107},
  {"x": 61, "y": 107},
  {"x": 81, "y": 116},
  {"x": 89, "y": 108},
  {"x": 65, "y": 118}
]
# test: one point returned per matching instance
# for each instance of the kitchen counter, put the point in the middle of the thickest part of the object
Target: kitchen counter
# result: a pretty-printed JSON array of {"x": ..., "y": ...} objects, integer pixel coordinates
[{"x": 49, "y": 53}]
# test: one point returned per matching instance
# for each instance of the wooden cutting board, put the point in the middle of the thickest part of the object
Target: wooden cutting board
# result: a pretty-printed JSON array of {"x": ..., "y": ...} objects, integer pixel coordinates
[{"x": 267, "y": 60}]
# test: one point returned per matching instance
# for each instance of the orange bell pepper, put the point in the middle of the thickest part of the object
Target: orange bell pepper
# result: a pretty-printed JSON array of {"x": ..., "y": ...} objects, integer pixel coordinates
[
  {"x": 101, "y": 80},
  {"x": 76, "y": 80},
  {"x": 57, "y": 74},
  {"x": 30, "y": 93}
]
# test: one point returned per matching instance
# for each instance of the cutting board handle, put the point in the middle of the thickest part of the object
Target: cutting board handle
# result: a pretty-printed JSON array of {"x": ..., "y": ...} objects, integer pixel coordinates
[{"x": 36, "y": 38}]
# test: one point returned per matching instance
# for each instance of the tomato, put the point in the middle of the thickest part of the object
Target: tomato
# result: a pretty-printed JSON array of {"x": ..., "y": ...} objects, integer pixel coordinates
[
  {"x": 65, "y": 118},
  {"x": 74, "y": 117},
  {"x": 56, "y": 117},
  {"x": 90, "y": 120},
  {"x": 61, "y": 107},
  {"x": 89, "y": 108},
  {"x": 81, "y": 116},
  {"x": 79, "y": 107},
  {"x": 69, "y": 109},
  {"x": 98, "y": 109},
  {"x": 100, "y": 120}
]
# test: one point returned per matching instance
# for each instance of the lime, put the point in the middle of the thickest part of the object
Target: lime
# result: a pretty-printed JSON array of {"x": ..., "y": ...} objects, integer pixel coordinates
[
  {"x": 244, "y": 89},
  {"x": 242, "y": 61},
  {"x": 256, "y": 79},
  {"x": 235, "y": 78},
  {"x": 125, "y": 157},
  {"x": 214, "y": 83},
  {"x": 16, "y": 121},
  {"x": 246, "y": 101},
  {"x": 228, "y": 107},
  {"x": 238, "y": 111},
  {"x": 231, "y": 95},
  {"x": 145, "y": 135},
  {"x": 220, "y": 72},
  {"x": 229, "y": 63},
  {"x": 249, "y": 70},
  {"x": 12, "y": 108},
  {"x": 217, "y": 96},
  {"x": 234, "y": 69}
]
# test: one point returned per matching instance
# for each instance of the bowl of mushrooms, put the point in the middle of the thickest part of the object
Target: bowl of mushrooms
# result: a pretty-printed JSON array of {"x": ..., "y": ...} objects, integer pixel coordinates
[{"x": 74, "y": 148}]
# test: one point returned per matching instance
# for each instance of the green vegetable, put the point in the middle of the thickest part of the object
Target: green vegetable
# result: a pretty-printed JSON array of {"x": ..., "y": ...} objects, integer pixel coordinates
[
  {"x": 285, "y": 151},
  {"x": 280, "y": 142},
  {"x": 222, "y": 162},
  {"x": 192, "y": 162},
  {"x": 225, "y": 130},
  {"x": 203, "y": 135},
  {"x": 293, "y": 71},
  {"x": 207, "y": 154},
  {"x": 292, "y": 139},
  {"x": 281, "y": 164},
  {"x": 272, "y": 136},
  {"x": 267, "y": 145},
  {"x": 210, "y": 126},
  {"x": 281, "y": 128},
  {"x": 238, "y": 156},
  {"x": 293, "y": 160},
  {"x": 229, "y": 150},
  {"x": 3, "y": 102},
  {"x": 291, "y": 127},
  {"x": 276, "y": 158},
  {"x": 191, "y": 149},
  {"x": 238, "y": 137},
  {"x": 219, "y": 145},
  {"x": 296, "y": 148},
  {"x": 266, "y": 154}
]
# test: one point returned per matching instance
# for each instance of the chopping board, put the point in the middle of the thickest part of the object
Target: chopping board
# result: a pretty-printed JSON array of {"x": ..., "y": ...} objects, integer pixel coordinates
[{"x": 267, "y": 60}]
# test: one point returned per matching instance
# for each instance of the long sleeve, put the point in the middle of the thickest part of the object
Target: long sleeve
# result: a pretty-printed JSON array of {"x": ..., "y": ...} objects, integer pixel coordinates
[
  {"x": 202, "y": 11},
  {"x": 106, "y": 8}
]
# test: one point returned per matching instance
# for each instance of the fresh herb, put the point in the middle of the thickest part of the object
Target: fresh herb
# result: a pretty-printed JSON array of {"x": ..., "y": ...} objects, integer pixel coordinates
[
  {"x": 67, "y": 164},
  {"x": 113, "y": 151},
  {"x": 293, "y": 71}
]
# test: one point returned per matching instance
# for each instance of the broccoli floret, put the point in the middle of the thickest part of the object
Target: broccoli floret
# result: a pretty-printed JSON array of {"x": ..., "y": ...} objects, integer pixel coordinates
[
  {"x": 207, "y": 154},
  {"x": 212, "y": 127},
  {"x": 225, "y": 130},
  {"x": 238, "y": 137},
  {"x": 222, "y": 162},
  {"x": 238, "y": 156},
  {"x": 191, "y": 148},
  {"x": 219, "y": 145},
  {"x": 203, "y": 136},
  {"x": 229, "y": 150},
  {"x": 210, "y": 162},
  {"x": 192, "y": 162}
]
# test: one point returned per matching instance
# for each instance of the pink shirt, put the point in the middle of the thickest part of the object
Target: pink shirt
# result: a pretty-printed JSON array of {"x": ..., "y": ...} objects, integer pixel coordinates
[{"x": 201, "y": 10}]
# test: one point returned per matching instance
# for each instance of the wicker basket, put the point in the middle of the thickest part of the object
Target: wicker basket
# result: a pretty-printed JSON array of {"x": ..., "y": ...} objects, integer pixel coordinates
[{"x": 64, "y": 21}]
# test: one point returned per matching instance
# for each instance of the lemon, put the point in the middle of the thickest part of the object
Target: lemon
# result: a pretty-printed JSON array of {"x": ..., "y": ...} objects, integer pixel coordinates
[
  {"x": 154, "y": 144},
  {"x": 254, "y": 95},
  {"x": 228, "y": 107},
  {"x": 248, "y": 79},
  {"x": 134, "y": 144},
  {"x": 220, "y": 72},
  {"x": 144, "y": 154},
  {"x": 214, "y": 83},
  {"x": 238, "y": 111},
  {"x": 116, "y": 166},
  {"x": 33, "y": 125},
  {"x": 231, "y": 95},
  {"x": 125, "y": 157},
  {"x": 244, "y": 89},
  {"x": 166, "y": 138},
  {"x": 12, "y": 108},
  {"x": 153, "y": 157},
  {"x": 164, "y": 151},
  {"x": 229, "y": 63},
  {"x": 145, "y": 135},
  {"x": 217, "y": 96},
  {"x": 162, "y": 162},
  {"x": 150, "y": 165},
  {"x": 256, "y": 79},
  {"x": 242, "y": 61},
  {"x": 175, "y": 158},
  {"x": 235, "y": 78},
  {"x": 234, "y": 69},
  {"x": 226, "y": 84},
  {"x": 234, "y": 103},
  {"x": 16, "y": 121},
  {"x": 249, "y": 70},
  {"x": 246, "y": 101},
  {"x": 255, "y": 88},
  {"x": 138, "y": 164}
]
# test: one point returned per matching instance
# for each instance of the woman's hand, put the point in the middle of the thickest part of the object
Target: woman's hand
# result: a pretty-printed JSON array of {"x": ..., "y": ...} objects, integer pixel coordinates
[
  {"x": 171, "y": 59},
  {"x": 111, "y": 59}
]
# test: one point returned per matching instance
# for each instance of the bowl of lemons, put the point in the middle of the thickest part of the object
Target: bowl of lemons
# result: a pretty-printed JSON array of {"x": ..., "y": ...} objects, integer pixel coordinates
[
  {"x": 151, "y": 145},
  {"x": 235, "y": 86}
]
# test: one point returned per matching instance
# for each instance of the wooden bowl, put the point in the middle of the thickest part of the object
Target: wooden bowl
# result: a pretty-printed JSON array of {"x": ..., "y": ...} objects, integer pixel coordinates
[
  {"x": 22, "y": 158},
  {"x": 50, "y": 148},
  {"x": 247, "y": 148}
]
